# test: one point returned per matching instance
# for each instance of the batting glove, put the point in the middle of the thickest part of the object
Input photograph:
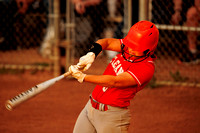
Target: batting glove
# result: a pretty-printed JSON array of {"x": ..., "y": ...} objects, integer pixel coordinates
[
  {"x": 73, "y": 69},
  {"x": 86, "y": 61}
]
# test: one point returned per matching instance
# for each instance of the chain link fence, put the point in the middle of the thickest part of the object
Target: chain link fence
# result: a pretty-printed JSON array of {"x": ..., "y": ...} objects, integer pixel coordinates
[
  {"x": 178, "y": 49},
  {"x": 51, "y": 34},
  {"x": 22, "y": 29},
  {"x": 104, "y": 20},
  {"x": 78, "y": 30}
]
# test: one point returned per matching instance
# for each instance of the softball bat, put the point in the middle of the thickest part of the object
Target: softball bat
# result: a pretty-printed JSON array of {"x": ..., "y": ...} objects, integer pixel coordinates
[{"x": 24, "y": 96}]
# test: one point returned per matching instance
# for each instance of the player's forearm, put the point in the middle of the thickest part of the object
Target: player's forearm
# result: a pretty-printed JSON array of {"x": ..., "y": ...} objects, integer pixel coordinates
[
  {"x": 110, "y": 44},
  {"x": 110, "y": 80},
  {"x": 102, "y": 80}
]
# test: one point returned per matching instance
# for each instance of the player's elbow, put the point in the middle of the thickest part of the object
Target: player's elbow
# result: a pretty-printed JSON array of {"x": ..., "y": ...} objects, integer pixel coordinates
[
  {"x": 116, "y": 83},
  {"x": 121, "y": 82},
  {"x": 111, "y": 83}
]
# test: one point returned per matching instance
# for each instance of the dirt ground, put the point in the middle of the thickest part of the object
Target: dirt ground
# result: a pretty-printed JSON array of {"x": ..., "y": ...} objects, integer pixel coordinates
[{"x": 160, "y": 110}]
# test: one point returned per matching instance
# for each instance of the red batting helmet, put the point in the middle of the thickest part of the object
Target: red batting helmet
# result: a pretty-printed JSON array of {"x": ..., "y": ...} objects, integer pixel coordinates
[{"x": 142, "y": 36}]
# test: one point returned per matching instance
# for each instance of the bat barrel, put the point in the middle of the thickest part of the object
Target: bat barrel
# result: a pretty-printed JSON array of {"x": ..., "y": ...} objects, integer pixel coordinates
[{"x": 10, "y": 104}]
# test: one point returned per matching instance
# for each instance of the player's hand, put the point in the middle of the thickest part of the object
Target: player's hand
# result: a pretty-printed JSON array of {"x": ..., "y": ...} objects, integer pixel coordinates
[
  {"x": 73, "y": 69},
  {"x": 86, "y": 61}
]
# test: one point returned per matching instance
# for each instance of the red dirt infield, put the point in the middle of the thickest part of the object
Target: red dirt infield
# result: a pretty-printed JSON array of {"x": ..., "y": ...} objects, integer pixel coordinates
[{"x": 167, "y": 109}]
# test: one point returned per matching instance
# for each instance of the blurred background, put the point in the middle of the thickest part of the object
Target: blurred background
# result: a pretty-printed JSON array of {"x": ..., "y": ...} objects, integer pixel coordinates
[
  {"x": 40, "y": 39},
  {"x": 51, "y": 35}
]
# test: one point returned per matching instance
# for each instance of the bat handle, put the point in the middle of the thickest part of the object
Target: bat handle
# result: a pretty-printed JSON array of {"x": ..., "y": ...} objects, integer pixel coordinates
[{"x": 67, "y": 74}]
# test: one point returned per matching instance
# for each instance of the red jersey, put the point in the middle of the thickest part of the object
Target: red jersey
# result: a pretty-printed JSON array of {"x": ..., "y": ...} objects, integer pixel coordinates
[{"x": 142, "y": 72}]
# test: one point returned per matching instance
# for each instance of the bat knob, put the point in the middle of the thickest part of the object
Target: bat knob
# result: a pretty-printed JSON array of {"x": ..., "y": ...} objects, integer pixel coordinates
[{"x": 8, "y": 106}]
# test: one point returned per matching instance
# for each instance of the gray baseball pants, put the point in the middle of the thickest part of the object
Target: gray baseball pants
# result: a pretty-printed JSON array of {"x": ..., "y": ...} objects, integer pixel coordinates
[{"x": 114, "y": 120}]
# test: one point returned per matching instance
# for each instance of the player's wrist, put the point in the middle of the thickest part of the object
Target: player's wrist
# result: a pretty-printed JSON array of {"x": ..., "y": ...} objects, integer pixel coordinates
[
  {"x": 81, "y": 78},
  {"x": 96, "y": 48},
  {"x": 73, "y": 69}
]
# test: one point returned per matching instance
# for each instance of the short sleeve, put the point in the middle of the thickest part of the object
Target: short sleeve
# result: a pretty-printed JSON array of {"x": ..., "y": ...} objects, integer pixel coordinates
[{"x": 142, "y": 72}]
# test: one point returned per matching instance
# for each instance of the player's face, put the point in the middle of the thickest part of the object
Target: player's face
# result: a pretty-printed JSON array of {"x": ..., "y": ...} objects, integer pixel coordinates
[
  {"x": 135, "y": 53},
  {"x": 131, "y": 55}
]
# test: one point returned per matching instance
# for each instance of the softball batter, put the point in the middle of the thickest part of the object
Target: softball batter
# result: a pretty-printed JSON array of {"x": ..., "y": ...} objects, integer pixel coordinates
[{"x": 107, "y": 109}]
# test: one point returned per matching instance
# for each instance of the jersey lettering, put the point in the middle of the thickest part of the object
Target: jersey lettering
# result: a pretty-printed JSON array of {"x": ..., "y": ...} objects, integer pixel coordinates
[
  {"x": 117, "y": 67},
  {"x": 104, "y": 89},
  {"x": 120, "y": 71}
]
